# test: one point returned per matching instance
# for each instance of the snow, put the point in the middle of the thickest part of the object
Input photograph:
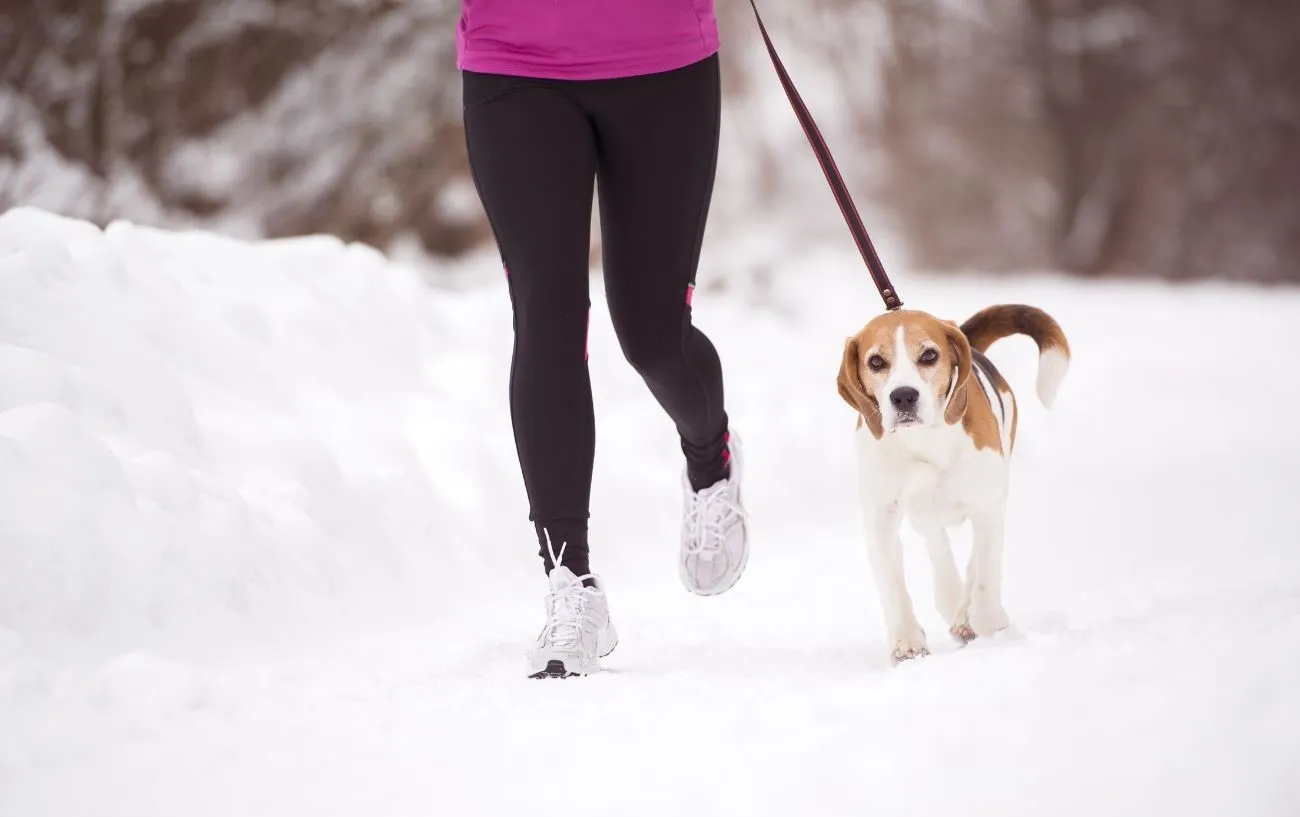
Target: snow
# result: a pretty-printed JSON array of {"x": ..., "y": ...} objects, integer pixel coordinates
[{"x": 263, "y": 551}]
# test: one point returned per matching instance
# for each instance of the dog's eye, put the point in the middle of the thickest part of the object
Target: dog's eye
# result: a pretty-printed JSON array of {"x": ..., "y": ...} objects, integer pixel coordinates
[
  {"x": 875, "y": 363},
  {"x": 929, "y": 356}
]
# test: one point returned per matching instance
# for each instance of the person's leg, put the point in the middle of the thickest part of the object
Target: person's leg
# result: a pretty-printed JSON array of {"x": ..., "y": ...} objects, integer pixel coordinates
[
  {"x": 532, "y": 155},
  {"x": 657, "y": 139}
]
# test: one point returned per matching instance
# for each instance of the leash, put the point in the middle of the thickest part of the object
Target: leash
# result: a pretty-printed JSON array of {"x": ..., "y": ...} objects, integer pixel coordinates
[{"x": 824, "y": 158}]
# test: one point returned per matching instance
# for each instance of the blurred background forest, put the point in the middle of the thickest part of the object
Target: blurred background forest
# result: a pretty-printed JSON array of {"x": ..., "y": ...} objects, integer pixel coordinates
[{"x": 1153, "y": 138}]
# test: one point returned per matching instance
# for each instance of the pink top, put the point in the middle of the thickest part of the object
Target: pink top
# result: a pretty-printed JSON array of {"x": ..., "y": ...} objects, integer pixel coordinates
[{"x": 584, "y": 39}]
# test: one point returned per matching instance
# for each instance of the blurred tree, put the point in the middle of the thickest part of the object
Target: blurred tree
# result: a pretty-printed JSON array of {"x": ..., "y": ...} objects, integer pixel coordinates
[
  {"x": 1103, "y": 137},
  {"x": 274, "y": 117},
  {"x": 1098, "y": 136}
]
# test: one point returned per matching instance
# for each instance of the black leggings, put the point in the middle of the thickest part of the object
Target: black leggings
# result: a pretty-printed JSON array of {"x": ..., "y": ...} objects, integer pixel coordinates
[{"x": 650, "y": 143}]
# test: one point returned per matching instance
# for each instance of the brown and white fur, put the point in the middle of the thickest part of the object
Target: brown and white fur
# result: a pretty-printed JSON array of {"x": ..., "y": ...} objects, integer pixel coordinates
[{"x": 935, "y": 430}]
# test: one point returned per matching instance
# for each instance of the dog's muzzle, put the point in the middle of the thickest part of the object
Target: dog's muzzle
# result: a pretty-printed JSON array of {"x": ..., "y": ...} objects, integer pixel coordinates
[{"x": 904, "y": 399}]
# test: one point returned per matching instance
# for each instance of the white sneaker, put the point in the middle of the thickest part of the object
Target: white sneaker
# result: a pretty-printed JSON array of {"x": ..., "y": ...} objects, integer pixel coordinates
[
  {"x": 578, "y": 631},
  {"x": 715, "y": 537}
]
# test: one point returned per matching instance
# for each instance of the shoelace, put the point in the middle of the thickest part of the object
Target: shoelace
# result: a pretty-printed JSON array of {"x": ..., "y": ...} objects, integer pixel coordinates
[
  {"x": 708, "y": 518},
  {"x": 568, "y": 607},
  {"x": 569, "y": 616}
]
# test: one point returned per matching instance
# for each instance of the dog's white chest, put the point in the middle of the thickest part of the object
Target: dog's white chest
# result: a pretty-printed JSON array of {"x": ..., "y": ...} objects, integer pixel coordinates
[
  {"x": 935, "y": 475},
  {"x": 938, "y": 497}
]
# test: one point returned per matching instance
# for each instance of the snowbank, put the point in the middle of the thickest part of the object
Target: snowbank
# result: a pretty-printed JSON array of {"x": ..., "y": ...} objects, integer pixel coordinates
[
  {"x": 264, "y": 551},
  {"x": 195, "y": 429}
]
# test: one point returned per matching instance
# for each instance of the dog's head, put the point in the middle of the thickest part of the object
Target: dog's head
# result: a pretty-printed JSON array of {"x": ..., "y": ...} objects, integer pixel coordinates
[{"x": 906, "y": 369}]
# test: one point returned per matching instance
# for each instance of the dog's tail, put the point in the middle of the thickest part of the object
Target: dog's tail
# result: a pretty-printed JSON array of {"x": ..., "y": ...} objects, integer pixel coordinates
[{"x": 993, "y": 323}]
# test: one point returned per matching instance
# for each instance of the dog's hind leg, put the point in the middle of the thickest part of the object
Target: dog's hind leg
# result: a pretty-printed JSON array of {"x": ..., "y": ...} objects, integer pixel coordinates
[
  {"x": 981, "y": 606},
  {"x": 947, "y": 581}
]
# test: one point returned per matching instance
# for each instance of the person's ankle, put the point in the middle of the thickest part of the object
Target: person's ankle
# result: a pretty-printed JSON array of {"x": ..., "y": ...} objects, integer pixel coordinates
[
  {"x": 566, "y": 539},
  {"x": 708, "y": 465},
  {"x": 705, "y": 477}
]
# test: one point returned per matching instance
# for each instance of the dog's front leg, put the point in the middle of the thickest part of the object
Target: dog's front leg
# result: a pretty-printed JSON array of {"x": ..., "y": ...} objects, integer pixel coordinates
[{"x": 885, "y": 550}]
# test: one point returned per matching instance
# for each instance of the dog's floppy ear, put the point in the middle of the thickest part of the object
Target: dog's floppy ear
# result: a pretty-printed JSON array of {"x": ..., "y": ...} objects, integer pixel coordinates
[
  {"x": 957, "y": 388},
  {"x": 854, "y": 393}
]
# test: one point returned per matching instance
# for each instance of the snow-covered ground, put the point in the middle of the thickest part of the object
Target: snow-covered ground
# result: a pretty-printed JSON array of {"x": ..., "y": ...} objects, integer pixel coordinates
[{"x": 263, "y": 551}]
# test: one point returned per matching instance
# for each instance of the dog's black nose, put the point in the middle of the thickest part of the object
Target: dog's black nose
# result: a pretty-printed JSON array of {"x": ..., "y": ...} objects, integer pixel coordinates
[{"x": 904, "y": 398}]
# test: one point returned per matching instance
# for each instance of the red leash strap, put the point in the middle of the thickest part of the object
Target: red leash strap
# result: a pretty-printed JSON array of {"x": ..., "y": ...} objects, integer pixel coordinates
[{"x": 847, "y": 208}]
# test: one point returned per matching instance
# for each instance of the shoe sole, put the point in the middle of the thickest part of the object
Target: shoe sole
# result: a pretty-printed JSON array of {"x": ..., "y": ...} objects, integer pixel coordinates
[{"x": 555, "y": 667}]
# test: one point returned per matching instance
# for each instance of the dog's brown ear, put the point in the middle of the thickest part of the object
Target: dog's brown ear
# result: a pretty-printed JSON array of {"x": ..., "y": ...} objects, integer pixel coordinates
[
  {"x": 854, "y": 393},
  {"x": 957, "y": 389}
]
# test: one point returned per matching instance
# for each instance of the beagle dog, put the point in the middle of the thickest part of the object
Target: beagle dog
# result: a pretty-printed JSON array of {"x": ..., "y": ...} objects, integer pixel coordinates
[{"x": 935, "y": 429}]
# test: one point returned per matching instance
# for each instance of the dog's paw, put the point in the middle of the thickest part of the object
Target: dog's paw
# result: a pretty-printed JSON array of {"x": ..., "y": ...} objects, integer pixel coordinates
[
  {"x": 987, "y": 616},
  {"x": 908, "y": 645},
  {"x": 963, "y": 631},
  {"x": 959, "y": 626}
]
